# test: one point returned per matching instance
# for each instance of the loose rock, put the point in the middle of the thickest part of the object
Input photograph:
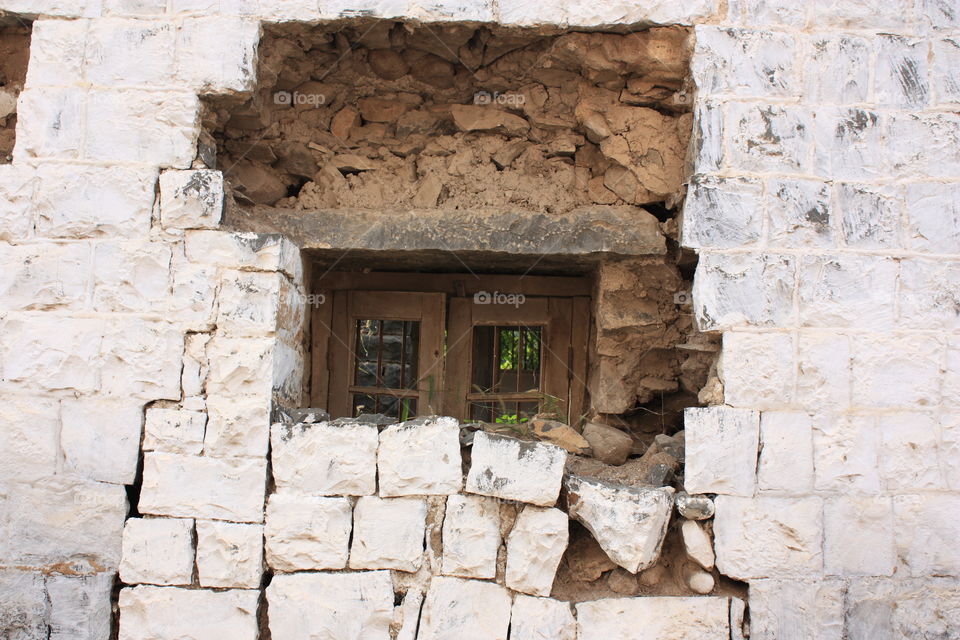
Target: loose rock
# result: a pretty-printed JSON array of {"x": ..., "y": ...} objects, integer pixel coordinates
[
  {"x": 697, "y": 544},
  {"x": 609, "y": 444},
  {"x": 559, "y": 434},
  {"x": 695, "y": 507},
  {"x": 512, "y": 469}
]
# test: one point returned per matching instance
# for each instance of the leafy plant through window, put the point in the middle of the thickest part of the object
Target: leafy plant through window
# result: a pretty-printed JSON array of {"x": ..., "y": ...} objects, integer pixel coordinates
[{"x": 507, "y": 369}]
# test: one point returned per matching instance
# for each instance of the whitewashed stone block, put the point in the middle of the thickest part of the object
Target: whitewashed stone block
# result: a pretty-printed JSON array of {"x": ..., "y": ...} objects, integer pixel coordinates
[
  {"x": 49, "y": 123},
  {"x": 325, "y": 459},
  {"x": 758, "y": 369},
  {"x": 860, "y": 14},
  {"x": 420, "y": 457},
  {"x": 193, "y": 296},
  {"x": 733, "y": 290},
  {"x": 798, "y": 213},
  {"x": 786, "y": 452},
  {"x": 80, "y": 607},
  {"x": 100, "y": 438},
  {"x": 25, "y": 610},
  {"x": 43, "y": 352},
  {"x": 17, "y": 187},
  {"x": 305, "y": 532},
  {"x": 388, "y": 533},
  {"x": 945, "y": 71},
  {"x": 706, "y": 143},
  {"x": 245, "y": 250},
  {"x": 884, "y": 608},
  {"x": 457, "y": 608},
  {"x": 823, "y": 370},
  {"x": 933, "y": 216},
  {"x": 170, "y": 613},
  {"x": 928, "y": 294},
  {"x": 808, "y": 609},
  {"x": 259, "y": 304},
  {"x": 471, "y": 537},
  {"x": 512, "y": 469},
  {"x": 541, "y": 619},
  {"x": 45, "y": 276},
  {"x": 29, "y": 437},
  {"x": 858, "y": 536},
  {"x": 697, "y": 544},
  {"x": 745, "y": 62},
  {"x": 191, "y": 199},
  {"x": 925, "y": 535},
  {"x": 200, "y": 487},
  {"x": 136, "y": 357},
  {"x": 157, "y": 551},
  {"x": 229, "y": 554},
  {"x": 56, "y": 52},
  {"x": 846, "y": 454},
  {"x": 950, "y": 449},
  {"x": 721, "y": 450},
  {"x": 174, "y": 430},
  {"x": 534, "y": 548},
  {"x": 933, "y": 153},
  {"x": 232, "y": 69},
  {"x": 130, "y": 277},
  {"x": 768, "y": 537},
  {"x": 908, "y": 448},
  {"x": 129, "y": 52},
  {"x": 303, "y": 606},
  {"x": 900, "y": 78},
  {"x": 891, "y": 370},
  {"x": 846, "y": 142},
  {"x": 629, "y": 523},
  {"x": 722, "y": 212},
  {"x": 769, "y": 137},
  {"x": 837, "y": 69},
  {"x": 586, "y": 14},
  {"x": 663, "y": 618},
  {"x": 847, "y": 291},
  {"x": 443, "y": 10},
  {"x": 870, "y": 216},
  {"x": 237, "y": 425}
]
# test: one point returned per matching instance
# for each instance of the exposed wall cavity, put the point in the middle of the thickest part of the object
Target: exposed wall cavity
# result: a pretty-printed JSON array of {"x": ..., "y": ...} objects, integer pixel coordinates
[{"x": 14, "y": 55}]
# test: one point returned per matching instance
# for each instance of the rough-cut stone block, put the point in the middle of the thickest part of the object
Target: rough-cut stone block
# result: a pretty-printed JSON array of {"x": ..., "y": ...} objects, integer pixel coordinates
[
  {"x": 721, "y": 450},
  {"x": 798, "y": 212},
  {"x": 846, "y": 454},
  {"x": 768, "y": 137},
  {"x": 306, "y": 532},
  {"x": 157, "y": 551},
  {"x": 758, "y": 369},
  {"x": 914, "y": 609},
  {"x": 733, "y": 290},
  {"x": 534, "y": 548},
  {"x": 50, "y": 123},
  {"x": 768, "y": 537},
  {"x": 847, "y": 291},
  {"x": 232, "y": 69},
  {"x": 420, "y": 457},
  {"x": 174, "y": 430},
  {"x": 512, "y": 469},
  {"x": 900, "y": 76},
  {"x": 628, "y": 522},
  {"x": 846, "y": 143},
  {"x": 950, "y": 449},
  {"x": 56, "y": 52},
  {"x": 471, "y": 537},
  {"x": 80, "y": 607},
  {"x": 44, "y": 352},
  {"x": 201, "y": 487},
  {"x": 804, "y": 609},
  {"x": 130, "y": 52},
  {"x": 100, "y": 438},
  {"x": 17, "y": 187},
  {"x": 29, "y": 445},
  {"x": 860, "y": 14},
  {"x": 706, "y": 143},
  {"x": 652, "y": 618},
  {"x": 325, "y": 459},
  {"x": 745, "y": 62},
  {"x": 170, "y": 613},
  {"x": 837, "y": 69},
  {"x": 933, "y": 152},
  {"x": 457, "y": 608},
  {"x": 237, "y": 426},
  {"x": 303, "y": 606},
  {"x": 823, "y": 370},
  {"x": 933, "y": 216},
  {"x": 928, "y": 294},
  {"x": 722, "y": 213},
  {"x": 24, "y": 605},
  {"x": 229, "y": 554},
  {"x": 45, "y": 276},
  {"x": 388, "y": 533},
  {"x": 541, "y": 619},
  {"x": 869, "y": 216},
  {"x": 136, "y": 356},
  {"x": 258, "y": 304},
  {"x": 245, "y": 250},
  {"x": 926, "y": 534},
  {"x": 945, "y": 70},
  {"x": 858, "y": 536},
  {"x": 908, "y": 451},
  {"x": 191, "y": 199},
  {"x": 130, "y": 277},
  {"x": 786, "y": 452},
  {"x": 891, "y": 370}
]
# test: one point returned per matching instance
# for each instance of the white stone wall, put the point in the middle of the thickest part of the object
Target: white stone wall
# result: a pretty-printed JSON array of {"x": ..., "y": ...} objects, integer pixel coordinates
[{"x": 823, "y": 203}]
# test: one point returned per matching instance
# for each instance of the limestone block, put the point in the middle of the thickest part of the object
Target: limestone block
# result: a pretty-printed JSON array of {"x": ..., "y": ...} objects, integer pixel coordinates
[
  {"x": 908, "y": 447},
  {"x": 131, "y": 277},
  {"x": 237, "y": 426},
  {"x": 823, "y": 370},
  {"x": 846, "y": 144},
  {"x": 858, "y": 536},
  {"x": 305, "y": 532},
  {"x": 420, "y": 457},
  {"x": 44, "y": 352},
  {"x": 846, "y": 454},
  {"x": 897, "y": 370},
  {"x": 628, "y": 522},
  {"x": 584, "y": 13},
  {"x": 950, "y": 449},
  {"x": 50, "y": 123},
  {"x": 229, "y": 554},
  {"x": 722, "y": 212},
  {"x": 807, "y": 609},
  {"x": 259, "y": 304},
  {"x": 706, "y": 144},
  {"x": 758, "y": 369},
  {"x": 511, "y": 469},
  {"x": 663, "y": 618},
  {"x": 325, "y": 459},
  {"x": 933, "y": 216},
  {"x": 862, "y": 14},
  {"x": 933, "y": 152},
  {"x": 157, "y": 551},
  {"x": 45, "y": 276},
  {"x": 56, "y": 52},
  {"x": 743, "y": 289},
  {"x": 80, "y": 607},
  {"x": 60, "y": 8},
  {"x": 194, "y": 376},
  {"x": 697, "y": 544},
  {"x": 457, "y": 608},
  {"x": 721, "y": 450},
  {"x": 900, "y": 78},
  {"x": 303, "y": 606},
  {"x": 150, "y": 127},
  {"x": 745, "y": 62},
  {"x": 29, "y": 445},
  {"x": 174, "y": 431},
  {"x": 912, "y": 609},
  {"x": 769, "y": 137},
  {"x": 129, "y": 52},
  {"x": 80, "y": 201},
  {"x": 945, "y": 74},
  {"x": 925, "y": 535},
  {"x": 768, "y": 537},
  {"x": 798, "y": 212},
  {"x": 481, "y": 11},
  {"x": 541, "y": 619},
  {"x": 694, "y": 507},
  {"x": 200, "y": 487},
  {"x": 24, "y": 604},
  {"x": 50, "y": 523},
  {"x": 870, "y": 215},
  {"x": 193, "y": 295},
  {"x": 137, "y": 355},
  {"x": 170, "y": 613},
  {"x": 786, "y": 452},
  {"x": 388, "y": 533},
  {"x": 928, "y": 294},
  {"x": 471, "y": 537},
  {"x": 191, "y": 199},
  {"x": 534, "y": 548},
  {"x": 232, "y": 69},
  {"x": 846, "y": 291},
  {"x": 837, "y": 69},
  {"x": 17, "y": 187},
  {"x": 100, "y": 438},
  {"x": 245, "y": 250}
]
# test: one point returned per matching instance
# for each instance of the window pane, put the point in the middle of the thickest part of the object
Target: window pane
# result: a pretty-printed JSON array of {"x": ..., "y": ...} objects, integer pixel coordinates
[
  {"x": 506, "y": 359},
  {"x": 503, "y": 412},
  {"x": 386, "y": 353},
  {"x": 399, "y": 408}
]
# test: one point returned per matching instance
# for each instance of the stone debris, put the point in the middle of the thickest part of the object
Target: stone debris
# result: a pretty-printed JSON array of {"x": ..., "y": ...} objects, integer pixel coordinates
[
  {"x": 700, "y": 581},
  {"x": 471, "y": 537},
  {"x": 307, "y": 532},
  {"x": 303, "y": 606},
  {"x": 171, "y": 613},
  {"x": 662, "y": 618},
  {"x": 560, "y": 434},
  {"x": 388, "y": 533},
  {"x": 697, "y": 544},
  {"x": 608, "y": 444},
  {"x": 541, "y": 619},
  {"x": 325, "y": 458},
  {"x": 586, "y": 559},
  {"x": 694, "y": 507},
  {"x": 512, "y": 469},
  {"x": 629, "y": 522},
  {"x": 458, "y": 608},
  {"x": 623, "y": 582},
  {"x": 420, "y": 457},
  {"x": 157, "y": 551},
  {"x": 229, "y": 555},
  {"x": 535, "y": 546}
]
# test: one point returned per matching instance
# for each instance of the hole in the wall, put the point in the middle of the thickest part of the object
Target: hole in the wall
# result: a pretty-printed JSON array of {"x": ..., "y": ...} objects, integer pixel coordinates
[{"x": 14, "y": 56}]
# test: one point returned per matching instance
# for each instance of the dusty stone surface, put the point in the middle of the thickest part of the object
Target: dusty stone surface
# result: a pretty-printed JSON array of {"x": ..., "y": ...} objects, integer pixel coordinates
[
  {"x": 695, "y": 618},
  {"x": 388, "y": 533},
  {"x": 540, "y": 618},
  {"x": 307, "y": 532},
  {"x": 505, "y": 467},
  {"x": 159, "y": 613},
  {"x": 229, "y": 555},
  {"x": 608, "y": 444},
  {"x": 420, "y": 457},
  {"x": 325, "y": 459},
  {"x": 157, "y": 551},
  {"x": 610, "y": 511},
  {"x": 457, "y": 608},
  {"x": 534, "y": 548},
  {"x": 471, "y": 537}
]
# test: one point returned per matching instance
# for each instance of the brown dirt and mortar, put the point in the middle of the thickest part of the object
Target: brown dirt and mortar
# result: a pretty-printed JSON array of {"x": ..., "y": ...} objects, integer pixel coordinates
[
  {"x": 14, "y": 55},
  {"x": 395, "y": 114}
]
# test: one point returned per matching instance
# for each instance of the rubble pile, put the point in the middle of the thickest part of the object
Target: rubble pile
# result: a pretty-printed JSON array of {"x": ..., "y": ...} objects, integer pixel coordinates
[{"x": 14, "y": 53}]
